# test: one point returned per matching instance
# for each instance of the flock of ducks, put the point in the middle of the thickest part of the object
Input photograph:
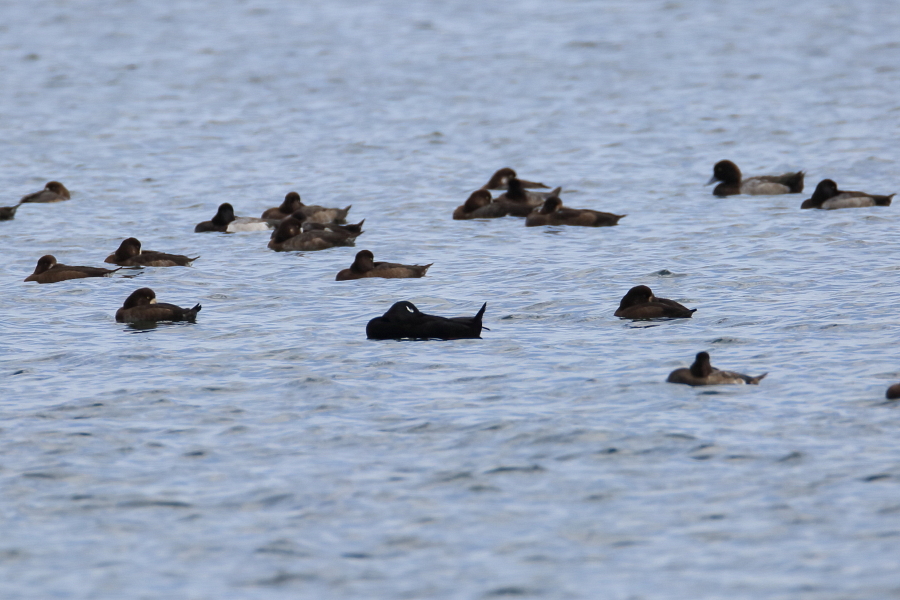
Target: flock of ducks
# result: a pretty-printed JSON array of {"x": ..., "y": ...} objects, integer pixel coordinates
[{"x": 295, "y": 226}]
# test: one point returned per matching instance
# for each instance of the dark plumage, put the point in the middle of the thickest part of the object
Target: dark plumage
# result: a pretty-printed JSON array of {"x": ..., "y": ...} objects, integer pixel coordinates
[
  {"x": 316, "y": 214},
  {"x": 54, "y": 191},
  {"x": 500, "y": 180},
  {"x": 640, "y": 303},
  {"x": 480, "y": 206},
  {"x": 404, "y": 321},
  {"x": 893, "y": 392},
  {"x": 554, "y": 213},
  {"x": 763, "y": 185},
  {"x": 517, "y": 194},
  {"x": 130, "y": 254},
  {"x": 703, "y": 373},
  {"x": 365, "y": 266},
  {"x": 50, "y": 271},
  {"x": 828, "y": 197},
  {"x": 8, "y": 213},
  {"x": 141, "y": 307},
  {"x": 290, "y": 236}
]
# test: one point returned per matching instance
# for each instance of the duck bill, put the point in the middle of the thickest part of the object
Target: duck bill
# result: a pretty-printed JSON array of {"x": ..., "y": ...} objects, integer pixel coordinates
[{"x": 711, "y": 181}]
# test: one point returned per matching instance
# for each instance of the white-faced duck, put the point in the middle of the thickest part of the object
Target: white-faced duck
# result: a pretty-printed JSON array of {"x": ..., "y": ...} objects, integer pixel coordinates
[
  {"x": 315, "y": 213},
  {"x": 54, "y": 191},
  {"x": 129, "y": 254},
  {"x": 50, "y": 271},
  {"x": 290, "y": 236},
  {"x": 640, "y": 303},
  {"x": 554, "y": 213},
  {"x": 8, "y": 213},
  {"x": 141, "y": 307},
  {"x": 828, "y": 197},
  {"x": 703, "y": 373},
  {"x": 365, "y": 266},
  {"x": 226, "y": 222},
  {"x": 517, "y": 194},
  {"x": 404, "y": 321},
  {"x": 480, "y": 206},
  {"x": 500, "y": 180},
  {"x": 762, "y": 185}
]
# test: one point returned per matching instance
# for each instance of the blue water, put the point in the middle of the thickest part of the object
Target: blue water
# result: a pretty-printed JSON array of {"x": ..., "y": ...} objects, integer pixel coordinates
[{"x": 271, "y": 451}]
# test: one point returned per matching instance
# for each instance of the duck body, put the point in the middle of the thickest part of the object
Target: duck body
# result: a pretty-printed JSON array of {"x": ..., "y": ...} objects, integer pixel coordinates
[
  {"x": 50, "y": 271},
  {"x": 314, "y": 213},
  {"x": 893, "y": 392},
  {"x": 732, "y": 182},
  {"x": 404, "y": 321},
  {"x": 554, "y": 213},
  {"x": 365, "y": 266},
  {"x": 130, "y": 254},
  {"x": 54, "y": 191},
  {"x": 141, "y": 307},
  {"x": 703, "y": 373},
  {"x": 226, "y": 222},
  {"x": 8, "y": 213},
  {"x": 500, "y": 180},
  {"x": 828, "y": 197},
  {"x": 640, "y": 303},
  {"x": 479, "y": 205},
  {"x": 290, "y": 236},
  {"x": 516, "y": 193}
]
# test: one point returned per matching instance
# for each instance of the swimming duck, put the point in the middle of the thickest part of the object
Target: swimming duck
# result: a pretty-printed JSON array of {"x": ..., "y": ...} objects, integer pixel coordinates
[
  {"x": 315, "y": 213},
  {"x": 640, "y": 303},
  {"x": 516, "y": 193},
  {"x": 828, "y": 197},
  {"x": 553, "y": 213},
  {"x": 703, "y": 373},
  {"x": 290, "y": 236},
  {"x": 130, "y": 254},
  {"x": 50, "y": 271},
  {"x": 54, "y": 191},
  {"x": 309, "y": 225},
  {"x": 763, "y": 185},
  {"x": 226, "y": 222},
  {"x": 365, "y": 266},
  {"x": 141, "y": 307},
  {"x": 500, "y": 180},
  {"x": 8, "y": 213},
  {"x": 480, "y": 206},
  {"x": 893, "y": 392},
  {"x": 403, "y": 320}
]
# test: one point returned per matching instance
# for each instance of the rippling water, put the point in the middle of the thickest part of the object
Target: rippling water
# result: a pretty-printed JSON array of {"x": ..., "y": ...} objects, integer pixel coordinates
[{"x": 271, "y": 451}]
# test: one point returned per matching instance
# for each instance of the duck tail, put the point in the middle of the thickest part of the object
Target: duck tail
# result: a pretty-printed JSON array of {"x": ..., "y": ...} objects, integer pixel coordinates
[
  {"x": 757, "y": 379},
  {"x": 882, "y": 200}
]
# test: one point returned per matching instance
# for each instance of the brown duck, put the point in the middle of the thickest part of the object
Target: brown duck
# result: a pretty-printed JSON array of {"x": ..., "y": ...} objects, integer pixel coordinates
[{"x": 365, "y": 266}]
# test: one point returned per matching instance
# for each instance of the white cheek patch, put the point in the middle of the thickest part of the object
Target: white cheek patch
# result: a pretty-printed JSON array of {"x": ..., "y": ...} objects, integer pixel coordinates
[{"x": 153, "y": 301}]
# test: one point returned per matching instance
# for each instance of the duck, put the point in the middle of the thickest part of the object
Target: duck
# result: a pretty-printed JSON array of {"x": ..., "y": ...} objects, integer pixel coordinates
[
  {"x": 640, "y": 303},
  {"x": 309, "y": 225},
  {"x": 554, "y": 213},
  {"x": 404, "y": 320},
  {"x": 828, "y": 197},
  {"x": 480, "y": 206},
  {"x": 50, "y": 271},
  {"x": 763, "y": 185},
  {"x": 8, "y": 213},
  {"x": 141, "y": 307},
  {"x": 315, "y": 213},
  {"x": 703, "y": 373},
  {"x": 290, "y": 236},
  {"x": 365, "y": 266},
  {"x": 893, "y": 392},
  {"x": 54, "y": 191},
  {"x": 516, "y": 193},
  {"x": 500, "y": 180},
  {"x": 226, "y": 222},
  {"x": 130, "y": 254}
]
